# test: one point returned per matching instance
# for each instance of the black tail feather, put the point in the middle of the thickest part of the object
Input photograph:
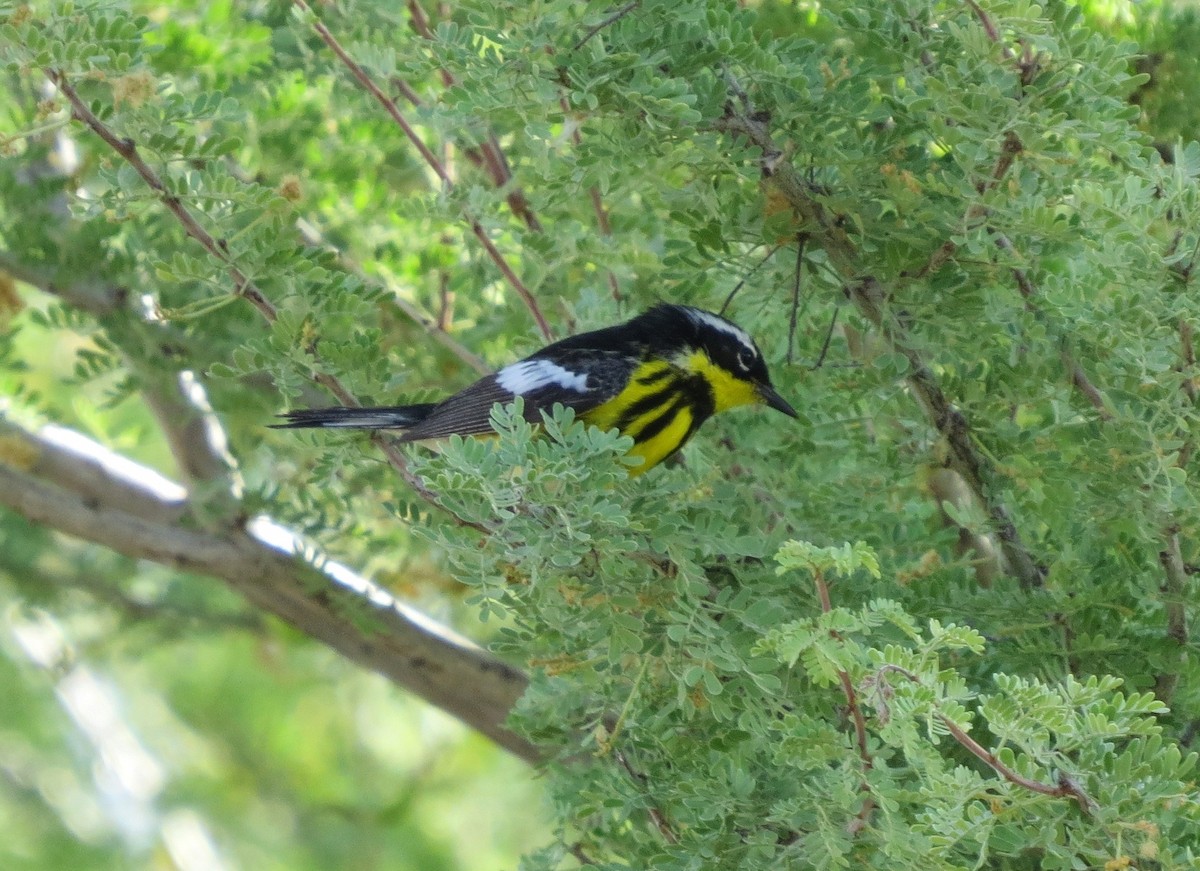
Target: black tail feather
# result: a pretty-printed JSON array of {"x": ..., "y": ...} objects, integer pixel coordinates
[{"x": 339, "y": 417}]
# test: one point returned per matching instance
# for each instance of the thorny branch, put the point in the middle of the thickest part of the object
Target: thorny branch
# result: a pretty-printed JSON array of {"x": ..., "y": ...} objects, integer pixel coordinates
[
  {"x": 607, "y": 21},
  {"x": 488, "y": 156},
  {"x": 1066, "y": 786},
  {"x": 244, "y": 287},
  {"x": 364, "y": 79},
  {"x": 870, "y": 296}
]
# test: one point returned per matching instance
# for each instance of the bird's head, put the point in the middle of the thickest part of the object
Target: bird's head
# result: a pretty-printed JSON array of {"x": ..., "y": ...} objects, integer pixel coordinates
[{"x": 729, "y": 360}]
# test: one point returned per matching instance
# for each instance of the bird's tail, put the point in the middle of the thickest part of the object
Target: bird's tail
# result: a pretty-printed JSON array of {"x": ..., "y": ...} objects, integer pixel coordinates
[{"x": 386, "y": 417}]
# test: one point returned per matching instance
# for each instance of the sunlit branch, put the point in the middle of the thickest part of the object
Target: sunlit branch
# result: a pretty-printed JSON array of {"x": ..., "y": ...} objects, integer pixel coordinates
[{"x": 48, "y": 485}]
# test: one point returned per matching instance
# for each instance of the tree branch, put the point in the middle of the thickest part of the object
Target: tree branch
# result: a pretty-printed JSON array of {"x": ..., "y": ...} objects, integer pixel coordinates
[
  {"x": 389, "y": 105},
  {"x": 863, "y": 817},
  {"x": 607, "y": 21},
  {"x": 408, "y": 648},
  {"x": 182, "y": 413},
  {"x": 127, "y": 149},
  {"x": 244, "y": 287},
  {"x": 50, "y": 458},
  {"x": 869, "y": 296},
  {"x": 1065, "y": 787}
]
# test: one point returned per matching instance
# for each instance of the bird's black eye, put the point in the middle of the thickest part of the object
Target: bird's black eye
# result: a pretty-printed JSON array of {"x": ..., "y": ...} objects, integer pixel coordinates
[{"x": 746, "y": 359}]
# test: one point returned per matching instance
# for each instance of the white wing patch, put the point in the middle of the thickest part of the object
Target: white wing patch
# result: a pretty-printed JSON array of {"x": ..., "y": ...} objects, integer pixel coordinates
[
  {"x": 699, "y": 316},
  {"x": 521, "y": 378}
]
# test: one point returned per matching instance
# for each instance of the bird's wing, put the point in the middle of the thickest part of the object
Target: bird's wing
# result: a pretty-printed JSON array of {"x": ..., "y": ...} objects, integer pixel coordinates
[{"x": 579, "y": 379}]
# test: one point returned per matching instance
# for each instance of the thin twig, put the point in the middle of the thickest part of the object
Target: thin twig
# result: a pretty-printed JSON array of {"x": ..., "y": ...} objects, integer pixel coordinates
[
  {"x": 1188, "y": 370},
  {"x": 606, "y": 231},
  {"x": 312, "y": 236},
  {"x": 490, "y": 156},
  {"x": 656, "y": 816},
  {"x": 375, "y": 91},
  {"x": 389, "y": 105},
  {"x": 828, "y": 339},
  {"x": 445, "y": 315},
  {"x": 581, "y": 855},
  {"x": 989, "y": 26},
  {"x": 1175, "y": 605},
  {"x": 607, "y": 22},
  {"x": 1066, "y": 786},
  {"x": 487, "y": 157},
  {"x": 1009, "y": 149},
  {"x": 860, "y": 723},
  {"x": 742, "y": 282},
  {"x": 797, "y": 280},
  {"x": 420, "y": 23},
  {"x": 871, "y": 298},
  {"x": 1079, "y": 377},
  {"x": 1177, "y": 577},
  {"x": 490, "y": 160},
  {"x": 127, "y": 149},
  {"x": 507, "y": 271},
  {"x": 406, "y": 90},
  {"x": 597, "y": 202},
  {"x": 1188, "y": 352}
]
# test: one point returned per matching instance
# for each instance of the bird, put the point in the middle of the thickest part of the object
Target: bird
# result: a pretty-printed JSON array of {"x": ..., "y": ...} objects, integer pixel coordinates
[{"x": 655, "y": 378}]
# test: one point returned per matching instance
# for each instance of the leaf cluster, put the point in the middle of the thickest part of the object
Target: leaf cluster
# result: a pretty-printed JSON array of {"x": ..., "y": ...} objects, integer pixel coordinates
[{"x": 794, "y": 648}]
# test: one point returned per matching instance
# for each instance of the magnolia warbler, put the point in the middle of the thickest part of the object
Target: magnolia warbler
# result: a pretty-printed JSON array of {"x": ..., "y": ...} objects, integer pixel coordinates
[{"x": 655, "y": 378}]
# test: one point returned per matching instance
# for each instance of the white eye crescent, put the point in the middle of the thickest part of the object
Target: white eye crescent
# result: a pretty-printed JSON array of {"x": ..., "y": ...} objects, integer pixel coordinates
[{"x": 745, "y": 359}]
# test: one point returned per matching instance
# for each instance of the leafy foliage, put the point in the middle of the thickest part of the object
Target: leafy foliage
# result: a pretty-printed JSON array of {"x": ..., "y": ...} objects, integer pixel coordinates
[{"x": 803, "y": 646}]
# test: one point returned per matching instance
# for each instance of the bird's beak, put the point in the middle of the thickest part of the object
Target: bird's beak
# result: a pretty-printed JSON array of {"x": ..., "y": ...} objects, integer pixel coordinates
[{"x": 771, "y": 398}]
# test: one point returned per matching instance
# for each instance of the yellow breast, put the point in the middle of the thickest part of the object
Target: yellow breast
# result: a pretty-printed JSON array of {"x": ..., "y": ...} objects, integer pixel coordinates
[{"x": 653, "y": 410}]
